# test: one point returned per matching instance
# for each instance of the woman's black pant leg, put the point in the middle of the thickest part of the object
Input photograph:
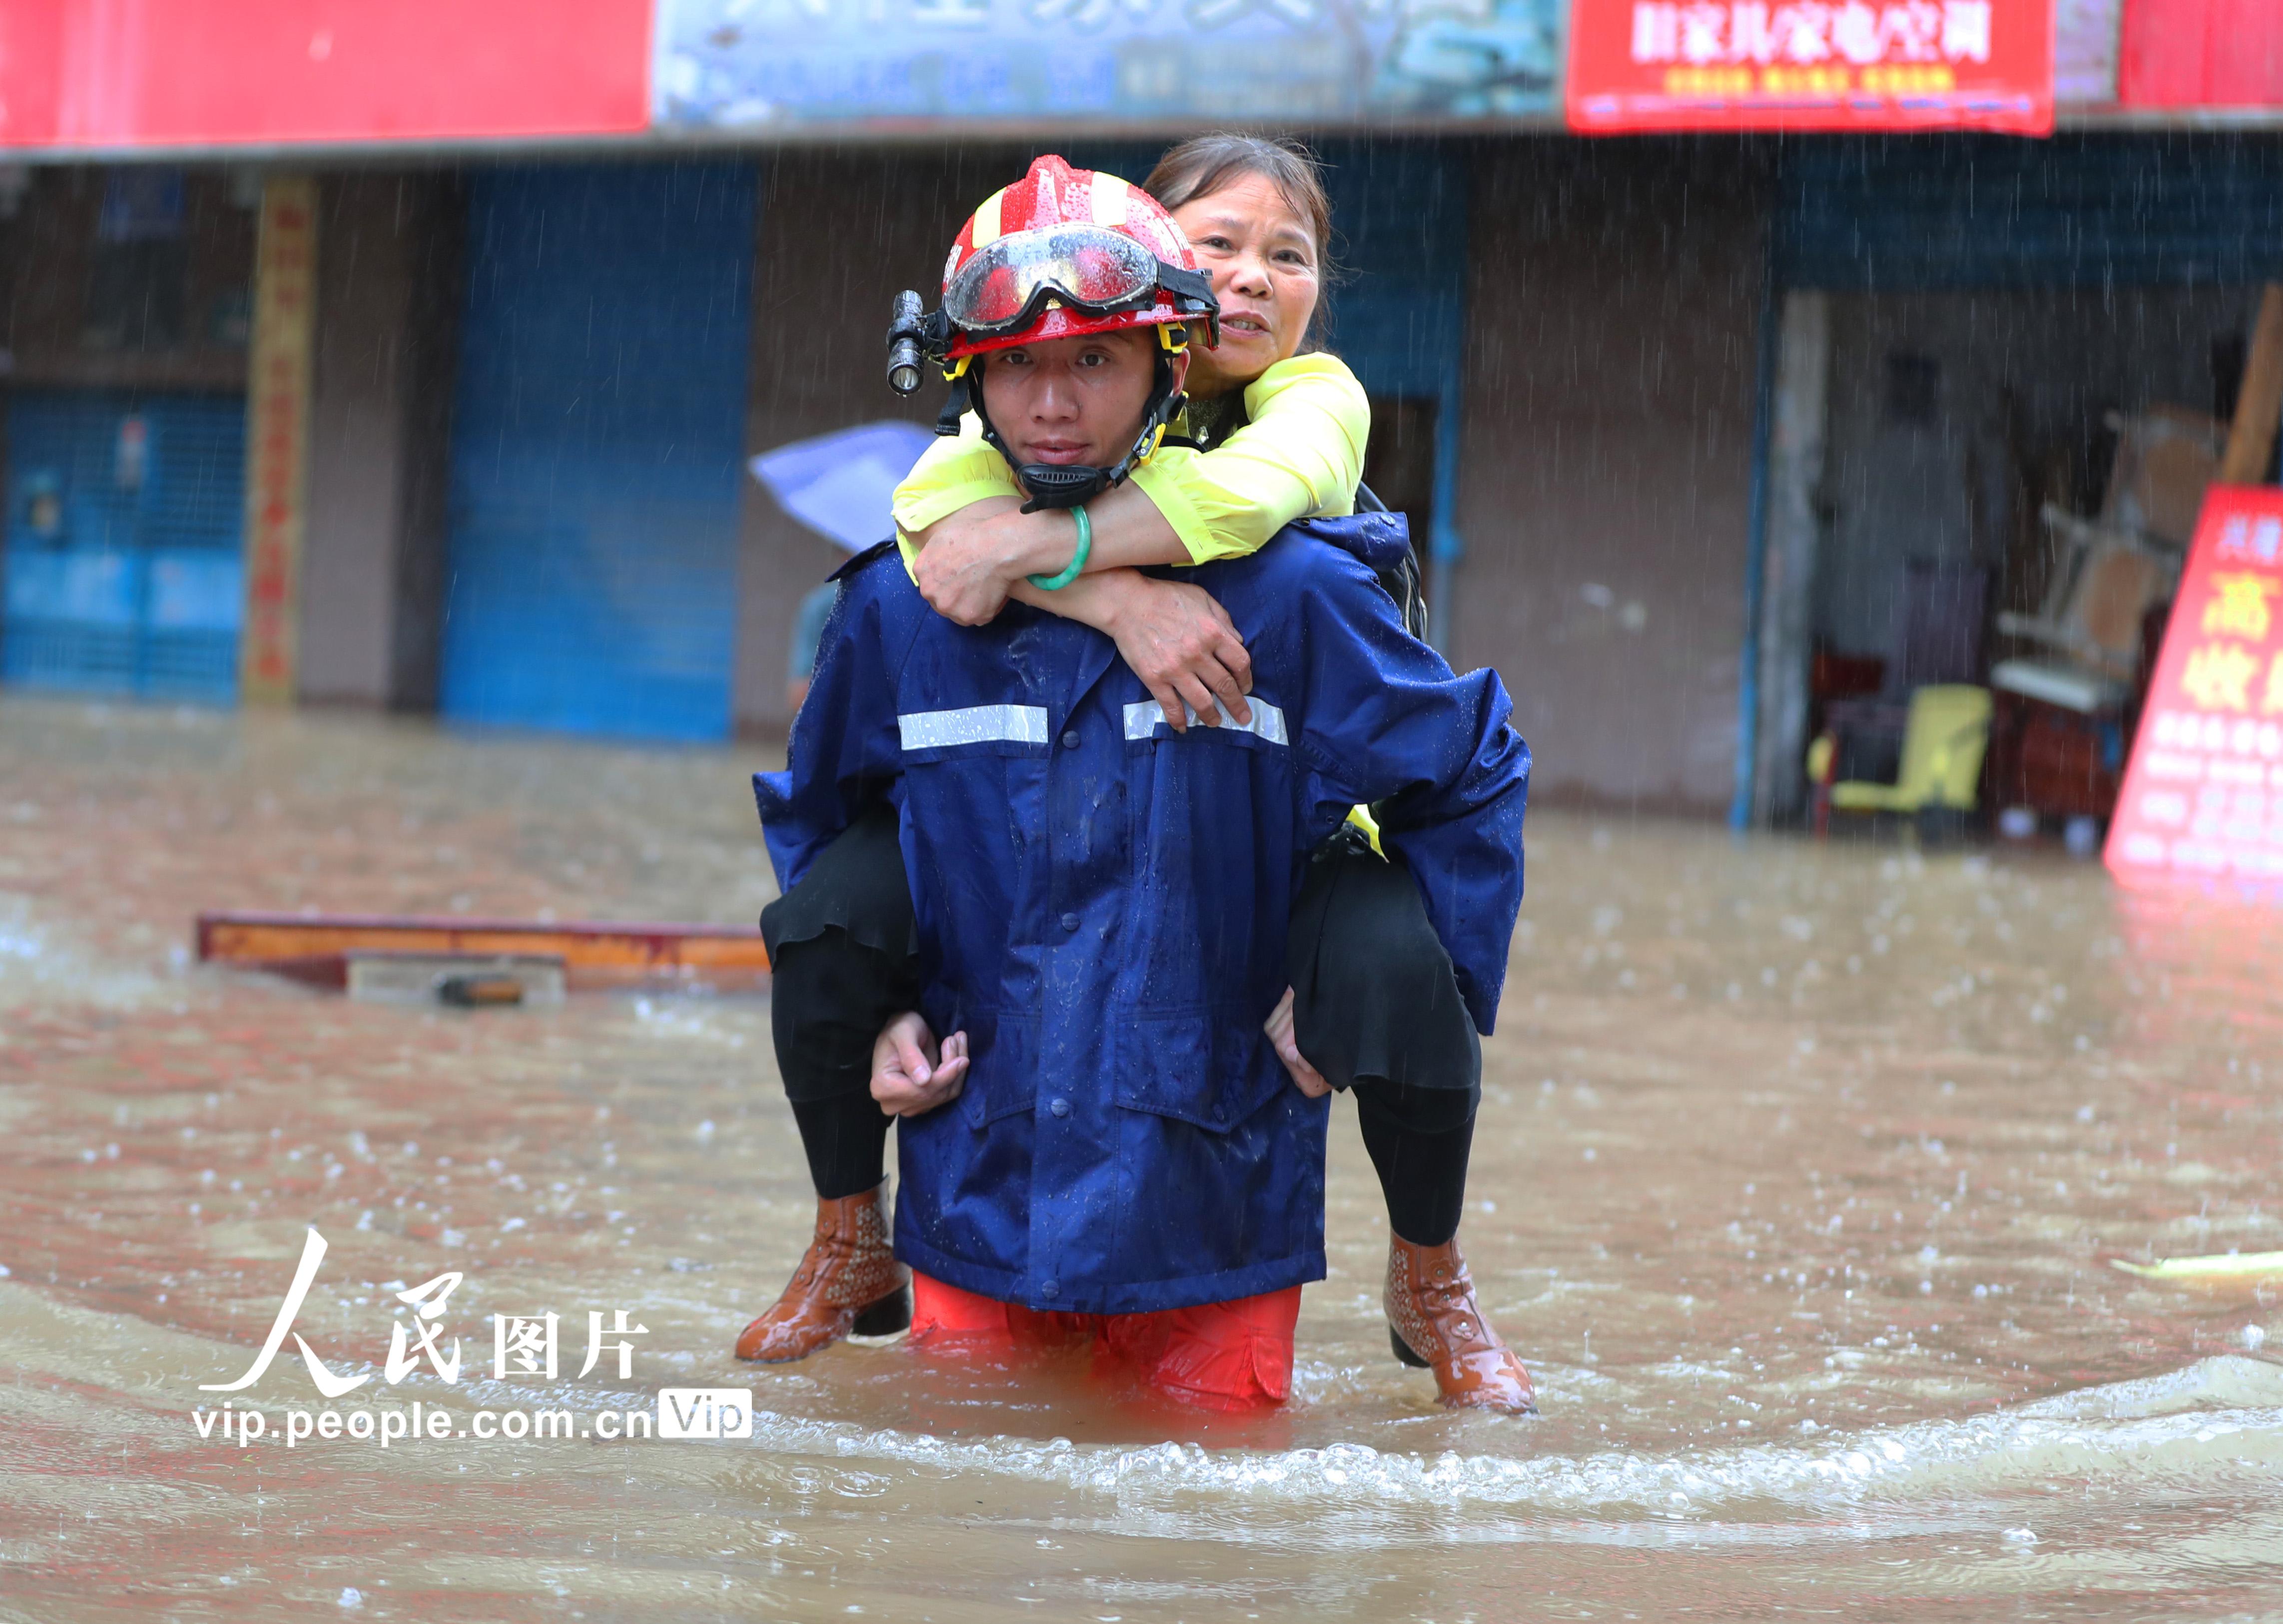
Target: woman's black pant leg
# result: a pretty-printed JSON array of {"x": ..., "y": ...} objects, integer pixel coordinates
[
  {"x": 1377, "y": 1008},
  {"x": 1418, "y": 1140},
  {"x": 841, "y": 964},
  {"x": 829, "y": 998}
]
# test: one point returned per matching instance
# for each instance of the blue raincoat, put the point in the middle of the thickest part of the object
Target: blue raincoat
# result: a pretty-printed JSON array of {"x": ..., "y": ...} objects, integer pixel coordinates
[{"x": 1102, "y": 905}]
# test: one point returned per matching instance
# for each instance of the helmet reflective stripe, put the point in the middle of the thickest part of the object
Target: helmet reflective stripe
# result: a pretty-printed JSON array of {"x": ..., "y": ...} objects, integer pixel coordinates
[
  {"x": 982, "y": 231},
  {"x": 1108, "y": 200}
]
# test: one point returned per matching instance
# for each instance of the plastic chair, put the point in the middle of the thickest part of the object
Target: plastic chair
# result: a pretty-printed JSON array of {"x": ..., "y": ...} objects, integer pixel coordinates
[{"x": 1943, "y": 740}]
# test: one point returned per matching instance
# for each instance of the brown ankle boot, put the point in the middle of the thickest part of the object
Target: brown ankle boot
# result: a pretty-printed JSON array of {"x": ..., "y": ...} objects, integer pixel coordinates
[
  {"x": 1436, "y": 1324},
  {"x": 848, "y": 1282}
]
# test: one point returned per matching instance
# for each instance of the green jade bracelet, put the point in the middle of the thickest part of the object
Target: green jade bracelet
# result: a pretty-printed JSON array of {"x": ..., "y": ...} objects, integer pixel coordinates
[{"x": 1055, "y": 583}]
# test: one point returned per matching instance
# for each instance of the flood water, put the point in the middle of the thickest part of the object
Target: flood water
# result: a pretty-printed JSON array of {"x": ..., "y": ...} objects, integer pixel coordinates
[{"x": 1798, "y": 1176}]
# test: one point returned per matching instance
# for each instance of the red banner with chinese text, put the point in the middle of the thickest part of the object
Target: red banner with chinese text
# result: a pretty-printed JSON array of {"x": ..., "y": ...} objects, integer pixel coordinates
[
  {"x": 1810, "y": 64},
  {"x": 2203, "y": 793}
]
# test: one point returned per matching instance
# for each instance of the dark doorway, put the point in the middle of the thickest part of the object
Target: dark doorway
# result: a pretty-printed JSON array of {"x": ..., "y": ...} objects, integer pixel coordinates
[{"x": 1399, "y": 463}]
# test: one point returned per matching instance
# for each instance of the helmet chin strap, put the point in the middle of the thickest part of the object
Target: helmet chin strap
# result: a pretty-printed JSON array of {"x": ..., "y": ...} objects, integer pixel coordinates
[{"x": 1070, "y": 485}]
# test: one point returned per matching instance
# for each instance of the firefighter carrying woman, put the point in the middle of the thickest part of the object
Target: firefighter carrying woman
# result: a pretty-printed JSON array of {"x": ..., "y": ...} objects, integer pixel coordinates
[{"x": 1126, "y": 818}]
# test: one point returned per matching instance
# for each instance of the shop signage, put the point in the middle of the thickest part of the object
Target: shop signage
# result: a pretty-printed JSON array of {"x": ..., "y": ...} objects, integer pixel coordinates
[
  {"x": 740, "y": 65},
  {"x": 278, "y": 438},
  {"x": 1810, "y": 64},
  {"x": 2203, "y": 793}
]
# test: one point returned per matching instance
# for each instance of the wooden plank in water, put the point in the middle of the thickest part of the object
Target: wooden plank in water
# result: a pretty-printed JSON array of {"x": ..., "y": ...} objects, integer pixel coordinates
[
  {"x": 2225, "y": 1268},
  {"x": 314, "y": 946}
]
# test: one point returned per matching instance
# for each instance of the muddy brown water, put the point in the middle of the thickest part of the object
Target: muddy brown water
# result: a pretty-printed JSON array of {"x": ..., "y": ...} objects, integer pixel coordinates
[{"x": 1798, "y": 1176}]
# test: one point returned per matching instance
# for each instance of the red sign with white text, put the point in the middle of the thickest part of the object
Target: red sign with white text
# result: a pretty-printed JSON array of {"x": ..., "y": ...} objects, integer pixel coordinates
[
  {"x": 1810, "y": 64},
  {"x": 2203, "y": 794}
]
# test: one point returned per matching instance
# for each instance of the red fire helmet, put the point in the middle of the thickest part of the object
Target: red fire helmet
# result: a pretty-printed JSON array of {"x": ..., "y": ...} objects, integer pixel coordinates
[{"x": 1064, "y": 253}]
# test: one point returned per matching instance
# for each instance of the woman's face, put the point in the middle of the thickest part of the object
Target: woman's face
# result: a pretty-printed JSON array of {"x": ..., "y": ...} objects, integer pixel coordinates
[{"x": 1264, "y": 261}]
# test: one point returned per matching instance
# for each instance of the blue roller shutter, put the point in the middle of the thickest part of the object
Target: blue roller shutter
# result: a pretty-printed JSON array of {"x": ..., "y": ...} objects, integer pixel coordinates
[
  {"x": 124, "y": 542},
  {"x": 597, "y": 438},
  {"x": 1397, "y": 306},
  {"x": 1928, "y": 214}
]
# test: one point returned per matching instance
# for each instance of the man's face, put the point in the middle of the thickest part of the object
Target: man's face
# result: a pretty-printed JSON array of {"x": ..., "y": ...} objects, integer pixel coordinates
[{"x": 1073, "y": 400}]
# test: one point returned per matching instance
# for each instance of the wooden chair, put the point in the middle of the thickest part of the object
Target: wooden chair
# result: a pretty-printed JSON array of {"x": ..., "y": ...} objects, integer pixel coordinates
[
  {"x": 2114, "y": 567},
  {"x": 2165, "y": 457},
  {"x": 2089, "y": 629}
]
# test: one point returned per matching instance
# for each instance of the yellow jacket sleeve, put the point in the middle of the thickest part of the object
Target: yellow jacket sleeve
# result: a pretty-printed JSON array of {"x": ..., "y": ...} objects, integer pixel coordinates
[
  {"x": 952, "y": 473},
  {"x": 1299, "y": 456}
]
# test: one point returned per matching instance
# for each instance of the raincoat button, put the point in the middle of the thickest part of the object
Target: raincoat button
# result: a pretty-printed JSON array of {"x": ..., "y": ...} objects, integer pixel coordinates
[
  {"x": 1059, "y": 1106},
  {"x": 1070, "y": 921},
  {"x": 1050, "y": 1289},
  {"x": 1069, "y": 739}
]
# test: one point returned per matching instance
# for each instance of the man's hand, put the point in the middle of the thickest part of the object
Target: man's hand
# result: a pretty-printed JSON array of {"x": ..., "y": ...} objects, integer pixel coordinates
[
  {"x": 909, "y": 1077},
  {"x": 1183, "y": 646},
  {"x": 1306, "y": 1077},
  {"x": 974, "y": 557}
]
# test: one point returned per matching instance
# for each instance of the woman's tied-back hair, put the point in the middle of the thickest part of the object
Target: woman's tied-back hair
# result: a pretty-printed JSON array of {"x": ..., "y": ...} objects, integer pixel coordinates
[{"x": 1203, "y": 165}]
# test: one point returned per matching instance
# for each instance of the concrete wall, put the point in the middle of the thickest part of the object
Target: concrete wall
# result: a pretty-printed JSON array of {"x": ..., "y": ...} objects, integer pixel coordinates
[
  {"x": 387, "y": 290},
  {"x": 1607, "y": 464}
]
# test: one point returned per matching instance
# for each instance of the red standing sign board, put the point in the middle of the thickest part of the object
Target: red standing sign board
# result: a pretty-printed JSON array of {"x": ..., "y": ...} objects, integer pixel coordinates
[
  {"x": 1810, "y": 64},
  {"x": 2203, "y": 794}
]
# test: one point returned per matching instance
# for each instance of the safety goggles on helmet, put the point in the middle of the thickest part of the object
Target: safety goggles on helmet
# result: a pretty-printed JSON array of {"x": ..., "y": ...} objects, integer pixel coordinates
[{"x": 1091, "y": 269}]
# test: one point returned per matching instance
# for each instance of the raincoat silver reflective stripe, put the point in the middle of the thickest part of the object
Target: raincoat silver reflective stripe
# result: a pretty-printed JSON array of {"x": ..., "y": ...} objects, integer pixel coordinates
[
  {"x": 973, "y": 725},
  {"x": 1267, "y": 720}
]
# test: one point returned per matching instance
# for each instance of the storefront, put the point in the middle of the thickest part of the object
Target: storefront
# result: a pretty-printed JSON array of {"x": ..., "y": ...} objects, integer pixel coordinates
[
  {"x": 2000, "y": 376},
  {"x": 125, "y": 417},
  {"x": 1683, "y": 421}
]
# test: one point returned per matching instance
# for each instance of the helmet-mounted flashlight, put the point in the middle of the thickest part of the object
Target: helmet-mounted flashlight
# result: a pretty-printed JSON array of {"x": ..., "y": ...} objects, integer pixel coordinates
[{"x": 906, "y": 338}]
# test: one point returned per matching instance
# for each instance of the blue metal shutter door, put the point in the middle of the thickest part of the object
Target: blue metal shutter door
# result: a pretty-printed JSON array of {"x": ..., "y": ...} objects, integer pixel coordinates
[
  {"x": 124, "y": 572},
  {"x": 596, "y": 442}
]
